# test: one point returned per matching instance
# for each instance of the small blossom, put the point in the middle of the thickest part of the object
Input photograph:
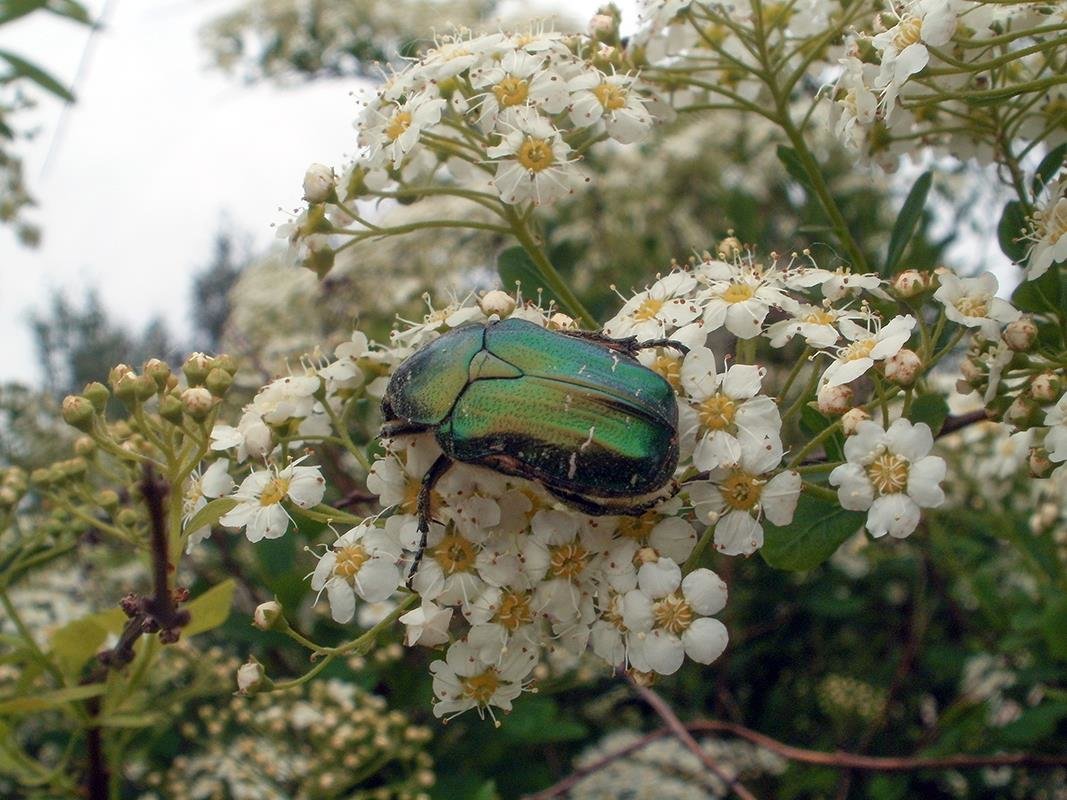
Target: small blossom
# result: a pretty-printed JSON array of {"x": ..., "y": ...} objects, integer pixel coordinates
[
  {"x": 657, "y": 311},
  {"x": 1056, "y": 439},
  {"x": 463, "y": 681},
  {"x": 972, "y": 302},
  {"x": 534, "y": 163},
  {"x": 426, "y": 625},
  {"x": 362, "y": 562},
  {"x": 865, "y": 347},
  {"x": 214, "y": 482},
  {"x": 259, "y": 498}
]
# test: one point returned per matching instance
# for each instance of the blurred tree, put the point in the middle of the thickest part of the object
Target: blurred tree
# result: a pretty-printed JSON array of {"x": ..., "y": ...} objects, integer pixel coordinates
[{"x": 211, "y": 291}]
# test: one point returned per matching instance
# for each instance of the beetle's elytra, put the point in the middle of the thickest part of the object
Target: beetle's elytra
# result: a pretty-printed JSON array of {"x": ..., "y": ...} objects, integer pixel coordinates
[{"x": 576, "y": 412}]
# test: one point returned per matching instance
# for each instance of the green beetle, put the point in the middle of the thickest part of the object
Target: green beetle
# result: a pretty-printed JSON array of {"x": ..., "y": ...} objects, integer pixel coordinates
[{"x": 574, "y": 411}]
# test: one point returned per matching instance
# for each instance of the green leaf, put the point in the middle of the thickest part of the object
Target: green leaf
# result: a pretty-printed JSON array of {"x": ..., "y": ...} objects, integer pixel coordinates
[
  {"x": 1034, "y": 724},
  {"x": 793, "y": 165},
  {"x": 931, "y": 409},
  {"x": 1041, "y": 295},
  {"x": 1054, "y": 627},
  {"x": 14, "y": 9},
  {"x": 817, "y": 530},
  {"x": 515, "y": 266},
  {"x": 536, "y": 720},
  {"x": 24, "y": 69},
  {"x": 210, "y": 514},
  {"x": 78, "y": 641},
  {"x": 907, "y": 220},
  {"x": 487, "y": 792},
  {"x": 210, "y": 609},
  {"x": 1048, "y": 167},
  {"x": 813, "y": 422},
  {"x": 1012, "y": 223},
  {"x": 46, "y": 700}
]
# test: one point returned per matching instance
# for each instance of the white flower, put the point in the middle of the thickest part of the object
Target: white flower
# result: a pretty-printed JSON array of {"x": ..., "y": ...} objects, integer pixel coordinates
[
  {"x": 890, "y": 475},
  {"x": 837, "y": 284},
  {"x": 259, "y": 500},
  {"x": 739, "y": 297},
  {"x": 397, "y": 482},
  {"x": 652, "y": 314},
  {"x": 214, "y": 482},
  {"x": 815, "y": 323},
  {"x": 344, "y": 373},
  {"x": 518, "y": 79},
  {"x": 1049, "y": 234},
  {"x": 291, "y": 397},
  {"x": 856, "y": 108},
  {"x": 426, "y": 625},
  {"x": 596, "y": 96},
  {"x": 564, "y": 557},
  {"x": 448, "y": 572},
  {"x": 865, "y": 347},
  {"x": 363, "y": 562},
  {"x": 972, "y": 302},
  {"x": 498, "y": 616},
  {"x": 903, "y": 47},
  {"x": 391, "y": 129},
  {"x": 464, "y": 681},
  {"x": 534, "y": 164},
  {"x": 673, "y": 537},
  {"x": 732, "y": 417},
  {"x": 672, "y": 620},
  {"x": 735, "y": 499},
  {"x": 1056, "y": 439},
  {"x": 251, "y": 437}
]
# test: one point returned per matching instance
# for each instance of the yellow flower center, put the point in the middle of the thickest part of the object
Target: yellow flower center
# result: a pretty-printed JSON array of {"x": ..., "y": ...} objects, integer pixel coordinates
[
  {"x": 673, "y": 614},
  {"x": 274, "y": 491},
  {"x": 611, "y": 96},
  {"x": 514, "y": 610},
  {"x": 717, "y": 412},
  {"x": 567, "y": 560},
  {"x": 511, "y": 91},
  {"x": 350, "y": 560},
  {"x": 648, "y": 309},
  {"x": 741, "y": 491},
  {"x": 480, "y": 688},
  {"x": 737, "y": 293},
  {"x": 715, "y": 34},
  {"x": 889, "y": 473},
  {"x": 858, "y": 349},
  {"x": 410, "y": 504},
  {"x": 777, "y": 14},
  {"x": 536, "y": 154},
  {"x": 909, "y": 31},
  {"x": 399, "y": 123},
  {"x": 638, "y": 528},
  {"x": 819, "y": 318},
  {"x": 973, "y": 306},
  {"x": 670, "y": 368},
  {"x": 455, "y": 554}
]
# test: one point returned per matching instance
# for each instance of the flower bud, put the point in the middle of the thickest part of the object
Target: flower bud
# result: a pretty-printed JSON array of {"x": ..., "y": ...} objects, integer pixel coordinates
[
  {"x": 320, "y": 255},
  {"x": 9, "y": 498},
  {"x": 218, "y": 382},
  {"x": 124, "y": 384},
  {"x": 170, "y": 408},
  {"x": 117, "y": 373},
  {"x": 252, "y": 678},
  {"x": 84, "y": 446},
  {"x": 730, "y": 247},
  {"x": 835, "y": 400},
  {"x": 497, "y": 302},
  {"x": 1021, "y": 334},
  {"x": 1022, "y": 412},
  {"x": 903, "y": 368},
  {"x": 97, "y": 394},
  {"x": 561, "y": 322},
  {"x": 107, "y": 498},
  {"x": 910, "y": 283},
  {"x": 1046, "y": 387},
  {"x": 78, "y": 411},
  {"x": 144, "y": 387},
  {"x": 197, "y": 402},
  {"x": 41, "y": 477},
  {"x": 196, "y": 368},
  {"x": 127, "y": 517},
  {"x": 1039, "y": 462},
  {"x": 225, "y": 362},
  {"x": 319, "y": 184},
  {"x": 851, "y": 420},
  {"x": 601, "y": 24},
  {"x": 972, "y": 372},
  {"x": 157, "y": 370},
  {"x": 267, "y": 616}
]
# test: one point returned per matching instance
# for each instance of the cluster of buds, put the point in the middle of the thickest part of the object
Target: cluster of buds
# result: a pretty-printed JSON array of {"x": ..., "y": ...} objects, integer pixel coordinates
[{"x": 13, "y": 486}]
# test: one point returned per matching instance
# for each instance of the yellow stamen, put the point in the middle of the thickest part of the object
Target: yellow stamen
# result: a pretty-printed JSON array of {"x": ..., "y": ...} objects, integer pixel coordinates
[
  {"x": 909, "y": 31},
  {"x": 567, "y": 560},
  {"x": 858, "y": 349},
  {"x": 274, "y": 491},
  {"x": 611, "y": 96},
  {"x": 399, "y": 123},
  {"x": 819, "y": 318},
  {"x": 738, "y": 293},
  {"x": 455, "y": 554},
  {"x": 670, "y": 368},
  {"x": 673, "y": 614},
  {"x": 717, "y": 412},
  {"x": 648, "y": 309},
  {"x": 514, "y": 610},
  {"x": 889, "y": 473},
  {"x": 741, "y": 490},
  {"x": 511, "y": 91},
  {"x": 350, "y": 560},
  {"x": 480, "y": 688},
  {"x": 536, "y": 154}
]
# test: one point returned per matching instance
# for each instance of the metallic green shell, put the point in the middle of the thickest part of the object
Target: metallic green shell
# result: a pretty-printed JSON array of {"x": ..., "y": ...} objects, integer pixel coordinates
[{"x": 574, "y": 413}]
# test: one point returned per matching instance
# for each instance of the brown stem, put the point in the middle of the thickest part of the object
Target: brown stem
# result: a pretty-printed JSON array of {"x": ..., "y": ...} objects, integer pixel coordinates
[
  {"x": 955, "y": 423},
  {"x": 675, "y": 726},
  {"x": 97, "y": 779}
]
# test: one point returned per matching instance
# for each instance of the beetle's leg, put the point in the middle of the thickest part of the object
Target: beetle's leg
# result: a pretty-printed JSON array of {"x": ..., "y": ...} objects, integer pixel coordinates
[
  {"x": 681, "y": 348},
  {"x": 429, "y": 480},
  {"x": 627, "y": 344},
  {"x": 400, "y": 427}
]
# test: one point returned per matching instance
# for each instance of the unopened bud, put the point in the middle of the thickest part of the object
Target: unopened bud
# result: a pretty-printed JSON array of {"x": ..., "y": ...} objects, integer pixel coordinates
[
  {"x": 117, "y": 373},
  {"x": 252, "y": 678},
  {"x": 97, "y": 394},
  {"x": 835, "y": 400},
  {"x": 84, "y": 446},
  {"x": 107, "y": 498},
  {"x": 851, "y": 420},
  {"x": 218, "y": 382},
  {"x": 730, "y": 247},
  {"x": 196, "y": 368},
  {"x": 127, "y": 518},
  {"x": 197, "y": 402},
  {"x": 144, "y": 387},
  {"x": 601, "y": 24},
  {"x": 319, "y": 257},
  {"x": 41, "y": 477},
  {"x": 157, "y": 370},
  {"x": 1022, "y": 412},
  {"x": 497, "y": 303},
  {"x": 561, "y": 322},
  {"x": 78, "y": 412},
  {"x": 1021, "y": 334},
  {"x": 268, "y": 615},
  {"x": 910, "y": 283},
  {"x": 1046, "y": 387},
  {"x": 225, "y": 362},
  {"x": 170, "y": 408},
  {"x": 124, "y": 384},
  {"x": 903, "y": 368},
  {"x": 972, "y": 371},
  {"x": 9, "y": 498},
  {"x": 1039, "y": 462},
  {"x": 320, "y": 184}
]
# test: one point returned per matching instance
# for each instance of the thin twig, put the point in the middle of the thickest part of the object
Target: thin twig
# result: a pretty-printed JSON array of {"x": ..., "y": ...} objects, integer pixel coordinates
[{"x": 675, "y": 725}]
